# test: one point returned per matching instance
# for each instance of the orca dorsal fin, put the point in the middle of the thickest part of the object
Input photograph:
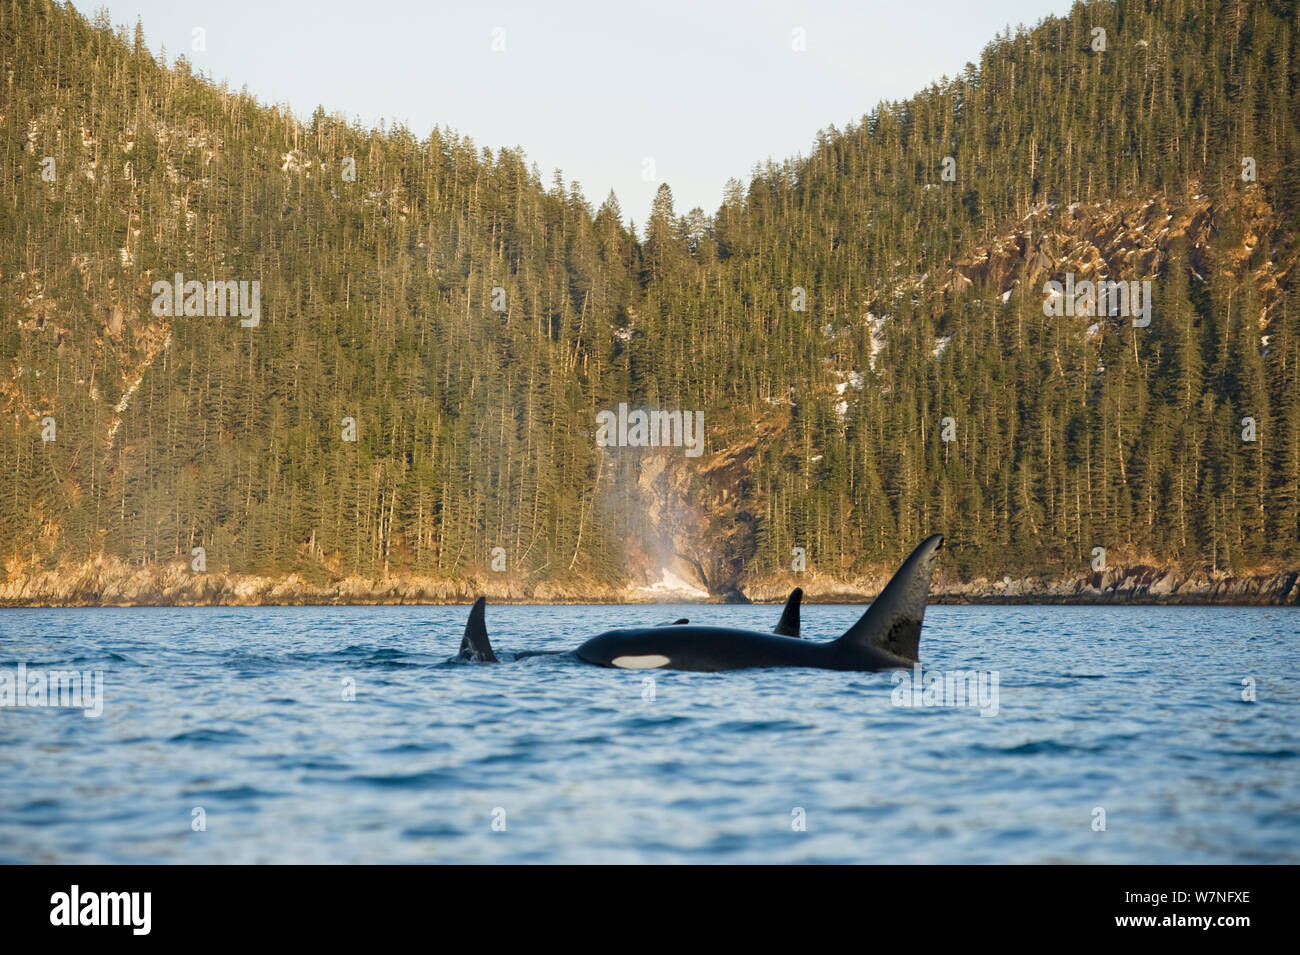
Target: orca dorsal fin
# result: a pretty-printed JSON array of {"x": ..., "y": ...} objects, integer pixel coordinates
[
  {"x": 788, "y": 626},
  {"x": 892, "y": 624},
  {"x": 475, "y": 644}
]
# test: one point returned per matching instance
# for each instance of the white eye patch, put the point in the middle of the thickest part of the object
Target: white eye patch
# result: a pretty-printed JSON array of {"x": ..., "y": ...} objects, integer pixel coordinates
[{"x": 647, "y": 662}]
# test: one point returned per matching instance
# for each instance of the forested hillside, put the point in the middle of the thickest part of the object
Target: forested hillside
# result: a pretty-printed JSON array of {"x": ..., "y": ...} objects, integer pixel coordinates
[{"x": 863, "y": 329}]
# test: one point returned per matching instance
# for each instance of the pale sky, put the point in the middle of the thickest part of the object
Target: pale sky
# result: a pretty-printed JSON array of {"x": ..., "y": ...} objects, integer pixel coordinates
[{"x": 595, "y": 88}]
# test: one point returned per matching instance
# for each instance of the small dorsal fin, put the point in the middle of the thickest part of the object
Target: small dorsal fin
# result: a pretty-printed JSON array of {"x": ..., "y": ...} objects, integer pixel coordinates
[
  {"x": 475, "y": 644},
  {"x": 789, "y": 623}
]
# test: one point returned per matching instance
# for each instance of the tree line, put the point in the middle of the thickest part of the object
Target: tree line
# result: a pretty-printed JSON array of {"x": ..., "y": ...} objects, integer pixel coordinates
[{"x": 865, "y": 379}]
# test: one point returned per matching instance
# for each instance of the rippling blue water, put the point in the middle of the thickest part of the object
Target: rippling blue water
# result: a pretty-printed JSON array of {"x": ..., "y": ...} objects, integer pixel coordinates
[{"x": 1137, "y": 711}]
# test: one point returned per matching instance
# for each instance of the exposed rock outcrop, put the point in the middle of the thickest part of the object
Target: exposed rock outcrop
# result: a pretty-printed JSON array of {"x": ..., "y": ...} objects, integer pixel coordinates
[
  {"x": 1138, "y": 584},
  {"x": 108, "y": 582}
]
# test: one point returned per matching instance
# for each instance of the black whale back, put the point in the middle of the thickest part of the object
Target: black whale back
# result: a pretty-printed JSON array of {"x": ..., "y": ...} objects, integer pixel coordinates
[{"x": 887, "y": 636}]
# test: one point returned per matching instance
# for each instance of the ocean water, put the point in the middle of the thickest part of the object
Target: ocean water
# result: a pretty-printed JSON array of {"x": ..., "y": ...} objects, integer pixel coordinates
[{"x": 227, "y": 735}]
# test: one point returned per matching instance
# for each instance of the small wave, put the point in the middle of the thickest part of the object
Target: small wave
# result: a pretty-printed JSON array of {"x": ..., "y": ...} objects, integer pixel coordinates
[
  {"x": 108, "y": 656},
  {"x": 761, "y": 726},
  {"x": 653, "y": 722},
  {"x": 432, "y": 832},
  {"x": 209, "y": 736},
  {"x": 430, "y": 779},
  {"x": 414, "y": 748},
  {"x": 234, "y": 794},
  {"x": 1035, "y": 748},
  {"x": 1258, "y": 753}
]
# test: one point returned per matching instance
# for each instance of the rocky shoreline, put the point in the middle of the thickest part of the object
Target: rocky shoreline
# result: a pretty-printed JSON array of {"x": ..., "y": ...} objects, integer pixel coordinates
[
  {"x": 1139, "y": 584},
  {"x": 109, "y": 583}
]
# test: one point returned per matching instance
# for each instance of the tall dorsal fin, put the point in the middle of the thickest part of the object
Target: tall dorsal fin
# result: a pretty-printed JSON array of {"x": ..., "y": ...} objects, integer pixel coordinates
[
  {"x": 475, "y": 644},
  {"x": 789, "y": 623},
  {"x": 892, "y": 623}
]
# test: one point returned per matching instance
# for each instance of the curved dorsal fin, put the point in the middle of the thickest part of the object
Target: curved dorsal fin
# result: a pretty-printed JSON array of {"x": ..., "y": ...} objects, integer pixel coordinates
[
  {"x": 789, "y": 623},
  {"x": 892, "y": 623},
  {"x": 475, "y": 644}
]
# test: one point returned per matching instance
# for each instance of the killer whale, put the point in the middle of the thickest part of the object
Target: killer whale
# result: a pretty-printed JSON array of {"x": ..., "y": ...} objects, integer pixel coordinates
[
  {"x": 887, "y": 636},
  {"x": 476, "y": 647}
]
